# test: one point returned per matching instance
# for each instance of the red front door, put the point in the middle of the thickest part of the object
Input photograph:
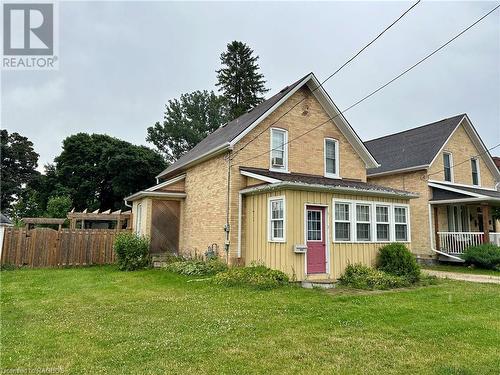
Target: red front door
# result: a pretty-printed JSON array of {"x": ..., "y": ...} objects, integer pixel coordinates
[{"x": 315, "y": 238}]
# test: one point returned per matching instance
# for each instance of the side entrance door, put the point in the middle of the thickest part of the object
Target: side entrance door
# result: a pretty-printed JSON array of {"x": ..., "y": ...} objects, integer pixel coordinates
[{"x": 315, "y": 239}]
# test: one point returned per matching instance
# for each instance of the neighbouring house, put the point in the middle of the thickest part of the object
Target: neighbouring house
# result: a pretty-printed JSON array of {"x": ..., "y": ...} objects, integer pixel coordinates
[
  {"x": 5, "y": 221},
  {"x": 448, "y": 165},
  {"x": 286, "y": 192}
]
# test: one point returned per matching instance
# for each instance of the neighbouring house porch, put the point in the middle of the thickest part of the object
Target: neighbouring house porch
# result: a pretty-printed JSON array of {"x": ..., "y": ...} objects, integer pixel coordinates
[{"x": 463, "y": 217}]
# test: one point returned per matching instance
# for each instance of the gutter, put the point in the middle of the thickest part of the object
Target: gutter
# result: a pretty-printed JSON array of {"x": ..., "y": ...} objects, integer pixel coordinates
[
  {"x": 153, "y": 194},
  {"x": 401, "y": 170},
  {"x": 317, "y": 187}
]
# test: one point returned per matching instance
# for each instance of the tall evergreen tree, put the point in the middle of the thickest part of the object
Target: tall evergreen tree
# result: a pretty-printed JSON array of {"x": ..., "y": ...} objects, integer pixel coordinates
[{"x": 239, "y": 80}]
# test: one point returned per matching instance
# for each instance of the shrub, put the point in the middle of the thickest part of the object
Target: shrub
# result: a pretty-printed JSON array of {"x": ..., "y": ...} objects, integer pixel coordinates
[
  {"x": 397, "y": 260},
  {"x": 259, "y": 277},
  {"x": 132, "y": 251},
  {"x": 362, "y": 277},
  {"x": 197, "y": 267},
  {"x": 483, "y": 256}
]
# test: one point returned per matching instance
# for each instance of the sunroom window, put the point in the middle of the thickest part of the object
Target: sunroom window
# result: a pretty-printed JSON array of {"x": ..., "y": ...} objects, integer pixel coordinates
[
  {"x": 363, "y": 226},
  {"x": 342, "y": 221},
  {"x": 277, "y": 219},
  {"x": 400, "y": 223},
  {"x": 382, "y": 217},
  {"x": 279, "y": 149}
]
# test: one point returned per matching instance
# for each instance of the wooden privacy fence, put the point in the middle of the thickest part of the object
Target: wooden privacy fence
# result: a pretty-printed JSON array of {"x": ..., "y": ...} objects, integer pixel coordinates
[{"x": 45, "y": 247}]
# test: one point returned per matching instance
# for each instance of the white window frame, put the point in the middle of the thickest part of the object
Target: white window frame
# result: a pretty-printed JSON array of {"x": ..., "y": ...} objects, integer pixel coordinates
[
  {"x": 388, "y": 223},
  {"x": 373, "y": 220},
  {"x": 322, "y": 229},
  {"x": 369, "y": 222},
  {"x": 407, "y": 218},
  {"x": 138, "y": 219},
  {"x": 285, "y": 151},
  {"x": 270, "y": 237},
  {"x": 335, "y": 221},
  {"x": 337, "y": 163},
  {"x": 476, "y": 162},
  {"x": 452, "y": 177}
]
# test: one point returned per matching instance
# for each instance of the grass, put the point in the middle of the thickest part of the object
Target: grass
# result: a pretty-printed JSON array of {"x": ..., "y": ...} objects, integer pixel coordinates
[
  {"x": 462, "y": 269},
  {"x": 101, "y": 321}
]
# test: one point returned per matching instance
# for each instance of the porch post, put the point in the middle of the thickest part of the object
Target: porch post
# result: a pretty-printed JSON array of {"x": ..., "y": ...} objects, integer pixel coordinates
[
  {"x": 485, "y": 209},
  {"x": 436, "y": 228}
]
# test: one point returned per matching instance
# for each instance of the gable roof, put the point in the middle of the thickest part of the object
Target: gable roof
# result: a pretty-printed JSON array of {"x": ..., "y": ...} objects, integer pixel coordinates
[
  {"x": 413, "y": 148},
  {"x": 225, "y": 137},
  {"x": 417, "y": 148}
]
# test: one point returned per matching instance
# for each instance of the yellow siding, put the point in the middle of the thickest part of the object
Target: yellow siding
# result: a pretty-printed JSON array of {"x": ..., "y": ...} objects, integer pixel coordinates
[{"x": 280, "y": 256}]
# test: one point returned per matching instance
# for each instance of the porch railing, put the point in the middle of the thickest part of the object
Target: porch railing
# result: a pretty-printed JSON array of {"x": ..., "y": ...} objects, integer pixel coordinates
[
  {"x": 495, "y": 238},
  {"x": 455, "y": 243}
]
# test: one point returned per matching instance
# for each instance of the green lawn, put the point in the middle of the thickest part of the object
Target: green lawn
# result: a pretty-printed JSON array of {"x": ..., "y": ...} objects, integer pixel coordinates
[
  {"x": 462, "y": 269},
  {"x": 99, "y": 320}
]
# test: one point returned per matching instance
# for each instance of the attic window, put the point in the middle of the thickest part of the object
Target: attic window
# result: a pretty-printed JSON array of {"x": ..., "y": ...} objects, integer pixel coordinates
[{"x": 448, "y": 166}]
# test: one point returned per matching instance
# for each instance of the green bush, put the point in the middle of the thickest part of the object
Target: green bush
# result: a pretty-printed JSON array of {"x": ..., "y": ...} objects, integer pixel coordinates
[
  {"x": 197, "y": 267},
  {"x": 483, "y": 256},
  {"x": 362, "y": 277},
  {"x": 132, "y": 251},
  {"x": 259, "y": 277},
  {"x": 397, "y": 260}
]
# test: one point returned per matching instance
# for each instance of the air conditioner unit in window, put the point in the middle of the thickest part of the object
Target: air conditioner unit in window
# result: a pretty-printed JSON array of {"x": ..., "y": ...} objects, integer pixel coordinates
[
  {"x": 299, "y": 249},
  {"x": 277, "y": 162}
]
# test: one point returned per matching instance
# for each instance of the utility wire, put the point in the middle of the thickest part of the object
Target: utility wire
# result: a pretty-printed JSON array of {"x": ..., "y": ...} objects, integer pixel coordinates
[
  {"x": 465, "y": 161},
  {"x": 330, "y": 76},
  {"x": 378, "y": 89}
]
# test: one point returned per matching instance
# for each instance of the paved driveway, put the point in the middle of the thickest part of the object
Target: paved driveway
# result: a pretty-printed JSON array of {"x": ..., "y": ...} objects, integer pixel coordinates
[{"x": 464, "y": 276}]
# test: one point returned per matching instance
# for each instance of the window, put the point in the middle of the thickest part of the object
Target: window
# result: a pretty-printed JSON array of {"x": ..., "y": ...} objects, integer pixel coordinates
[
  {"x": 382, "y": 221},
  {"x": 363, "y": 222},
  {"x": 342, "y": 222},
  {"x": 448, "y": 166},
  {"x": 474, "y": 164},
  {"x": 400, "y": 223},
  {"x": 277, "y": 219},
  {"x": 314, "y": 232},
  {"x": 138, "y": 219},
  {"x": 331, "y": 158},
  {"x": 279, "y": 150}
]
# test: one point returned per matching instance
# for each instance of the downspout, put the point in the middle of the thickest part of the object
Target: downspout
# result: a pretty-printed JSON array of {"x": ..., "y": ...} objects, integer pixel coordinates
[
  {"x": 431, "y": 231},
  {"x": 240, "y": 204},
  {"x": 127, "y": 204},
  {"x": 227, "y": 227}
]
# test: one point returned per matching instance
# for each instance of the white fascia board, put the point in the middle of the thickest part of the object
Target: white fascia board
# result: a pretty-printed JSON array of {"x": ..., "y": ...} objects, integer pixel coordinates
[
  {"x": 457, "y": 190},
  {"x": 460, "y": 200},
  {"x": 168, "y": 182},
  {"x": 269, "y": 111},
  {"x": 316, "y": 187},
  {"x": 396, "y": 171},
  {"x": 153, "y": 194},
  {"x": 333, "y": 111},
  {"x": 459, "y": 185},
  {"x": 207, "y": 155},
  {"x": 259, "y": 177}
]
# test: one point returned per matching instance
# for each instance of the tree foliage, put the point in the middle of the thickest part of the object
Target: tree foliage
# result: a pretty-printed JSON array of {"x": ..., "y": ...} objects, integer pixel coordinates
[
  {"x": 239, "y": 80},
  {"x": 19, "y": 161},
  {"x": 59, "y": 206},
  {"x": 186, "y": 122},
  {"x": 98, "y": 171}
]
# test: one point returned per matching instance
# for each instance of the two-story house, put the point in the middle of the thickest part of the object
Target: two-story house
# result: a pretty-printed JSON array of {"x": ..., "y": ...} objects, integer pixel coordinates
[
  {"x": 284, "y": 185},
  {"x": 447, "y": 163}
]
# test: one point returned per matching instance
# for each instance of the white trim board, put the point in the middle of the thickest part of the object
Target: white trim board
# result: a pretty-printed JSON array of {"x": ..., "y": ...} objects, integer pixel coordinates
[
  {"x": 458, "y": 185},
  {"x": 456, "y": 190},
  {"x": 168, "y": 182},
  {"x": 259, "y": 177}
]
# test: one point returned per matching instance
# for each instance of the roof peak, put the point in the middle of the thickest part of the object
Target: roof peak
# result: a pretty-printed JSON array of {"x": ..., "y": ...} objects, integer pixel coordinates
[{"x": 417, "y": 127}]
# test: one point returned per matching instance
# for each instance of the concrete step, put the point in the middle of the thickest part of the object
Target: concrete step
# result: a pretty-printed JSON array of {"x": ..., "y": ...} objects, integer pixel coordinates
[{"x": 320, "y": 283}]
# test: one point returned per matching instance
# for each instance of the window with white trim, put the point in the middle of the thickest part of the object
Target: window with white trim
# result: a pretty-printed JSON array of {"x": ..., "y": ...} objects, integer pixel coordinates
[
  {"x": 448, "y": 166},
  {"x": 401, "y": 223},
  {"x": 277, "y": 219},
  {"x": 331, "y": 154},
  {"x": 363, "y": 222},
  {"x": 474, "y": 165},
  {"x": 279, "y": 150},
  {"x": 342, "y": 222},
  {"x": 138, "y": 219},
  {"x": 314, "y": 232},
  {"x": 382, "y": 223}
]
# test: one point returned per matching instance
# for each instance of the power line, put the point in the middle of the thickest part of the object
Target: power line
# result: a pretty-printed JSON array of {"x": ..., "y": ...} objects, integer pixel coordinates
[
  {"x": 465, "y": 161},
  {"x": 330, "y": 76},
  {"x": 378, "y": 89}
]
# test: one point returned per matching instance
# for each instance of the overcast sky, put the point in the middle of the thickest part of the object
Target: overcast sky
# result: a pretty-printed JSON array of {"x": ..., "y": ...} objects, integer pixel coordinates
[{"x": 121, "y": 61}]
